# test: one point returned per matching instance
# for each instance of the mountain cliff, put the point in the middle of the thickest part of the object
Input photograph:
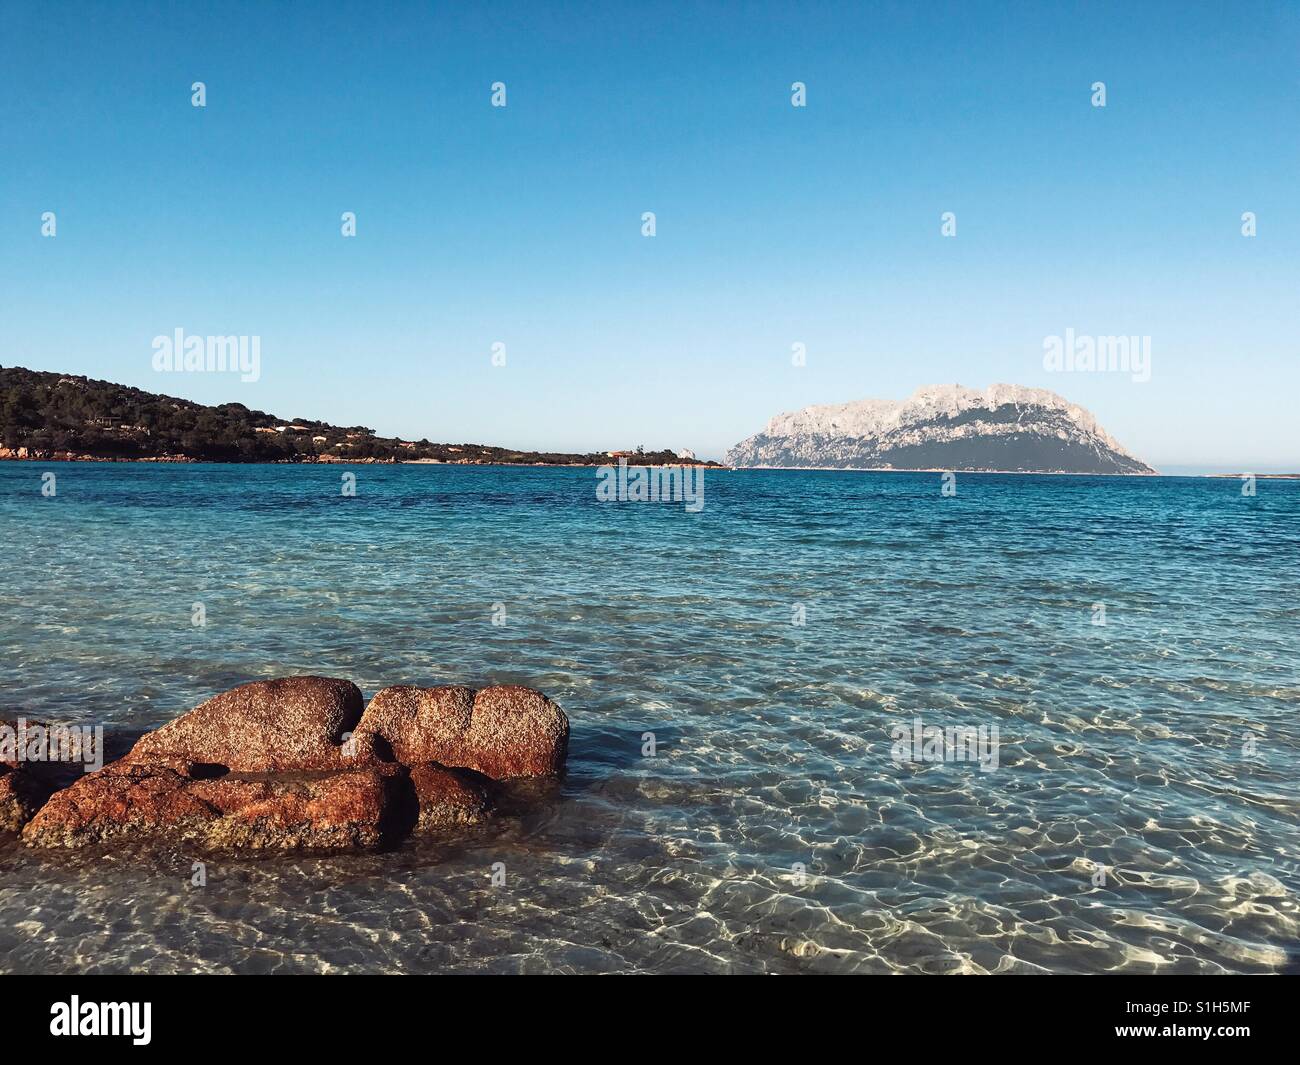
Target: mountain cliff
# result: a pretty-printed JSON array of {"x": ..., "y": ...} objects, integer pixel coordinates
[{"x": 943, "y": 427}]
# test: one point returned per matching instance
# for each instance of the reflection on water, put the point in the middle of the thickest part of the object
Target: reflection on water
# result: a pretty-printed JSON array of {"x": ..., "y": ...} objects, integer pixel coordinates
[{"x": 1127, "y": 825}]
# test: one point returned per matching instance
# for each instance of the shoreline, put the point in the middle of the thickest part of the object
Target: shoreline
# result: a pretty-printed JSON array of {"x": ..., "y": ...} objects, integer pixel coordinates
[
  {"x": 948, "y": 469},
  {"x": 182, "y": 460}
]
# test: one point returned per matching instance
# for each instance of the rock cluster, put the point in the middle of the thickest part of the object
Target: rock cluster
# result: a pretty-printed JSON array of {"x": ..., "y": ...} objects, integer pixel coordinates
[{"x": 302, "y": 764}]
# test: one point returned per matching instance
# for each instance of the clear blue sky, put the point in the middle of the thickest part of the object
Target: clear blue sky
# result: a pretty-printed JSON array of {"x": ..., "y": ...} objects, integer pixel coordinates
[{"x": 775, "y": 224}]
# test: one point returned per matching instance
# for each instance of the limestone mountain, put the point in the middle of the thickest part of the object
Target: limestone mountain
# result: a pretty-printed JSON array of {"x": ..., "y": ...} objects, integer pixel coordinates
[{"x": 945, "y": 427}]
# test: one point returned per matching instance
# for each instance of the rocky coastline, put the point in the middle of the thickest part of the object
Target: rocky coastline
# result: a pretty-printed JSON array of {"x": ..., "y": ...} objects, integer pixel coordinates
[{"x": 297, "y": 764}]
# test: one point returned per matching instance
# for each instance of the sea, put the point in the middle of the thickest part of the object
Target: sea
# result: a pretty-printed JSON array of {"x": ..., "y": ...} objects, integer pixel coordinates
[{"x": 828, "y": 721}]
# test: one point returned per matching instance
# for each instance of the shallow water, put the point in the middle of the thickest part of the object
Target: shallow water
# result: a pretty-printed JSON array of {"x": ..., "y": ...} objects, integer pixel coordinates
[{"x": 1126, "y": 745}]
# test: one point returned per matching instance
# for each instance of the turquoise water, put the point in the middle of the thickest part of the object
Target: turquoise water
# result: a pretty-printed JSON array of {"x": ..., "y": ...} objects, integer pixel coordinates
[{"x": 1163, "y": 745}]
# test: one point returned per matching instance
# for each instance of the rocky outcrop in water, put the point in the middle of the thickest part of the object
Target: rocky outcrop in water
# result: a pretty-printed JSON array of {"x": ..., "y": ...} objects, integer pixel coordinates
[
  {"x": 332, "y": 811},
  {"x": 943, "y": 427},
  {"x": 446, "y": 797},
  {"x": 290, "y": 725},
  {"x": 298, "y": 764},
  {"x": 501, "y": 732}
]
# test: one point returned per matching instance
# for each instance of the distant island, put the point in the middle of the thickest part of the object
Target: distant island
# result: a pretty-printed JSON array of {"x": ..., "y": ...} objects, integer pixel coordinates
[
  {"x": 1003, "y": 429},
  {"x": 61, "y": 417}
]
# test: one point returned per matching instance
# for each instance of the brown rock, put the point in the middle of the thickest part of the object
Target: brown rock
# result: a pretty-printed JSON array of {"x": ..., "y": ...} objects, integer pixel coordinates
[
  {"x": 517, "y": 732},
  {"x": 269, "y": 726},
  {"x": 408, "y": 725},
  {"x": 25, "y": 785},
  {"x": 501, "y": 732},
  {"x": 307, "y": 812},
  {"x": 21, "y": 795},
  {"x": 448, "y": 797}
]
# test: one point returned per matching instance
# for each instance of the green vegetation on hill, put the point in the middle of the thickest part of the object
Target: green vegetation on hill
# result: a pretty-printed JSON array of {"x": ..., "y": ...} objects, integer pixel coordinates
[{"x": 62, "y": 416}]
